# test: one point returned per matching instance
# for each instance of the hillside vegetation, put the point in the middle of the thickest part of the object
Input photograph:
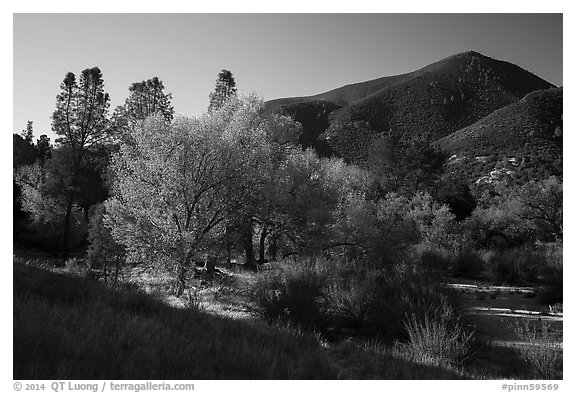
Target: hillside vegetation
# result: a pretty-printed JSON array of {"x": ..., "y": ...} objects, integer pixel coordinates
[
  {"x": 522, "y": 140},
  {"x": 426, "y": 104}
]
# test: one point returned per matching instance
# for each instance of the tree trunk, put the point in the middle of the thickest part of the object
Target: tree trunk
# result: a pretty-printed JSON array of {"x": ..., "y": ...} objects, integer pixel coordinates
[
  {"x": 181, "y": 282},
  {"x": 261, "y": 250},
  {"x": 273, "y": 247},
  {"x": 70, "y": 203},
  {"x": 67, "y": 222},
  {"x": 228, "y": 244},
  {"x": 86, "y": 210},
  {"x": 210, "y": 265},
  {"x": 117, "y": 272},
  {"x": 250, "y": 261}
]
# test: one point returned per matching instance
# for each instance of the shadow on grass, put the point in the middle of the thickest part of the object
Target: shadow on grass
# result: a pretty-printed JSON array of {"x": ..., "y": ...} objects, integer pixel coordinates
[
  {"x": 497, "y": 361},
  {"x": 67, "y": 327}
]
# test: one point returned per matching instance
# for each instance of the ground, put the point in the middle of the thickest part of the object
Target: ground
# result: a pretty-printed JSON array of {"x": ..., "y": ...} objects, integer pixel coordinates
[
  {"x": 495, "y": 311},
  {"x": 491, "y": 311}
]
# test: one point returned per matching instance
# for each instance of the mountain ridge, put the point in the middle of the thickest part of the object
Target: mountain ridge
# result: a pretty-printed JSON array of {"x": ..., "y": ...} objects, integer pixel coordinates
[
  {"x": 427, "y": 104},
  {"x": 347, "y": 94}
]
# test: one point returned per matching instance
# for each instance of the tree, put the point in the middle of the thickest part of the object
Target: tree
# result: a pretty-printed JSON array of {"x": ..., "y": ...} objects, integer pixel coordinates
[
  {"x": 146, "y": 99},
  {"x": 43, "y": 198},
  {"x": 225, "y": 88},
  {"x": 259, "y": 212},
  {"x": 23, "y": 152},
  {"x": 455, "y": 192},
  {"x": 171, "y": 193},
  {"x": 43, "y": 149},
  {"x": 103, "y": 251},
  {"x": 435, "y": 221},
  {"x": 177, "y": 187},
  {"x": 28, "y": 133},
  {"x": 380, "y": 229},
  {"x": 305, "y": 201},
  {"x": 529, "y": 212},
  {"x": 540, "y": 203},
  {"x": 404, "y": 164},
  {"x": 81, "y": 120}
]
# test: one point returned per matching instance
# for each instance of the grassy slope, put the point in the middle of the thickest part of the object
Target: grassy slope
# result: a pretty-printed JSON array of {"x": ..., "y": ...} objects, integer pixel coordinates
[{"x": 67, "y": 327}]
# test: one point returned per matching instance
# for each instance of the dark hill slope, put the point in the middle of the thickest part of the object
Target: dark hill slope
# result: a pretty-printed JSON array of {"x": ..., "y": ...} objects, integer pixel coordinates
[
  {"x": 433, "y": 102},
  {"x": 429, "y": 103},
  {"x": 345, "y": 95},
  {"x": 314, "y": 117},
  {"x": 522, "y": 140}
]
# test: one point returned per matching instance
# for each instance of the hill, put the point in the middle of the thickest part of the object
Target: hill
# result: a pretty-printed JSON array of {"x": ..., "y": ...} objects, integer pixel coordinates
[
  {"x": 519, "y": 142},
  {"x": 426, "y": 104}
]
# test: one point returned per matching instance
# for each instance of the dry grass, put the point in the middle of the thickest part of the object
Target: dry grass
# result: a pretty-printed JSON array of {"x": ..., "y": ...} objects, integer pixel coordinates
[
  {"x": 71, "y": 328},
  {"x": 541, "y": 352}
]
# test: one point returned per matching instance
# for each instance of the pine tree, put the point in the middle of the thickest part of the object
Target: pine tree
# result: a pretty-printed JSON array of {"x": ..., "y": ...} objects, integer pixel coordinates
[
  {"x": 28, "y": 133},
  {"x": 43, "y": 149},
  {"x": 82, "y": 122},
  {"x": 225, "y": 88},
  {"x": 147, "y": 98}
]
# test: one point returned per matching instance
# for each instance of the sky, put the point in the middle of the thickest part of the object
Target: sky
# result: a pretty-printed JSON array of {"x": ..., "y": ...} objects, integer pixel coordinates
[{"x": 272, "y": 55}]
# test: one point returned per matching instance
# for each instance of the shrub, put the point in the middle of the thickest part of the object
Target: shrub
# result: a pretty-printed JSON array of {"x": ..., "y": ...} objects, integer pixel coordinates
[
  {"x": 466, "y": 263},
  {"x": 540, "y": 352},
  {"x": 436, "y": 339},
  {"x": 351, "y": 299},
  {"x": 104, "y": 252},
  {"x": 373, "y": 303},
  {"x": 291, "y": 295},
  {"x": 514, "y": 266},
  {"x": 78, "y": 267},
  {"x": 435, "y": 259},
  {"x": 194, "y": 299},
  {"x": 552, "y": 274},
  {"x": 366, "y": 305}
]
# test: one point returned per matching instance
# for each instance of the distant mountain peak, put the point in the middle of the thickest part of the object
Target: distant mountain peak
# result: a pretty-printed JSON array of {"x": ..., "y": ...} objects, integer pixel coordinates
[{"x": 429, "y": 103}]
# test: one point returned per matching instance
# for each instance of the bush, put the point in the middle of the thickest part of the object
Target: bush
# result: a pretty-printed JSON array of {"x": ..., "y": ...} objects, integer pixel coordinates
[
  {"x": 541, "y": 353},
  {"x": 373, "y": 303},
  {"x": 352, "y": 299},
  {"x": 516, "y": 266},
  {"x": 104, "y": 252},
  {"x": 291, "y": 295},
  {"x": 78, "y": 267},
  {"x": 435, "y": 260},
  {"x": 365, "y": 305},
  {"x": 466, "y": 263},
  {"x": 436, "y": 339},
  {"x": 552, "y": 274}
]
